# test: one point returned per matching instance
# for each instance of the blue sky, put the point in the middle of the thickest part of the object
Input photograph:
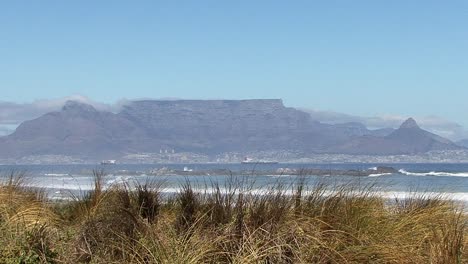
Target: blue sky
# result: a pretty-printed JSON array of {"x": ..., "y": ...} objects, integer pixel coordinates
[{"x": 359, "y": 57}]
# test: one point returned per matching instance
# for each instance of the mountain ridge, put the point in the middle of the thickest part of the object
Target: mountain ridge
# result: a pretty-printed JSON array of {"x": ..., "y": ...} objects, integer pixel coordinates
[{"x": 205, "y": 126}]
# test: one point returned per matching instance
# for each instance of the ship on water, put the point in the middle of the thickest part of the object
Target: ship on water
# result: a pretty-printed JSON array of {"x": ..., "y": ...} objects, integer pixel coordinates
[
  {"x": 108, "y": 162},
  {"x": 253, "y": 161}
]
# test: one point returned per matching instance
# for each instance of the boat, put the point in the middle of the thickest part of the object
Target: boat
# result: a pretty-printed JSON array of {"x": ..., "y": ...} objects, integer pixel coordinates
[
  {"x": 252, "y": 161},
  {"x": 108, "y": 162}
]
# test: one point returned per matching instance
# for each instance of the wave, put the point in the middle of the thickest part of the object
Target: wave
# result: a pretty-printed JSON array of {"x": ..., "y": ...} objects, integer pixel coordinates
[
  {"x": 379, "y": 174},
  {"x": 119, "y": 180},
  {"x": 434, "y": 173},
  {"x": 60, "y": 191},
  {"x": 56, "y": 174}
]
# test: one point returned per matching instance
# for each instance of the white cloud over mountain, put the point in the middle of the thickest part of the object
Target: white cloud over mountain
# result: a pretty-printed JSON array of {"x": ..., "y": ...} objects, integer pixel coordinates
[{"x": 12, "y": 114}]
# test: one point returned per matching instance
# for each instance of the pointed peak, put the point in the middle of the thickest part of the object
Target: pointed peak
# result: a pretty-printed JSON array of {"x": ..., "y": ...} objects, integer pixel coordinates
[
  {"x": 71, "y": 105},
  {"x": 409, "y": 123}
]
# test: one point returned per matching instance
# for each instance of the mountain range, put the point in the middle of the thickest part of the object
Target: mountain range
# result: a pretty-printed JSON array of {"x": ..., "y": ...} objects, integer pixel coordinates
[{"x": 205, "y": 126}]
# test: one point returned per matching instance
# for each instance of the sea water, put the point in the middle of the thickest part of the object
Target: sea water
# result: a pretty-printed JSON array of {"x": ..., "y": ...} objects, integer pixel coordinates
[{"x": 59, "y": 181}]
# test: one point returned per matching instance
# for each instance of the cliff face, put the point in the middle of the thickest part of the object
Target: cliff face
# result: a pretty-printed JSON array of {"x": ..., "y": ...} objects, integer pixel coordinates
[
  {"x": 204, "y": 126},
  {"x": 219, "y": 116},
  {"x": 220, "y": 125}
]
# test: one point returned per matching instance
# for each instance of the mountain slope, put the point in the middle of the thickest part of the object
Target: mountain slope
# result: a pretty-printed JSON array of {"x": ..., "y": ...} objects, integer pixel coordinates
[
  {"x": 78, "y": 129},
  {"x": 408, "y": 139}
]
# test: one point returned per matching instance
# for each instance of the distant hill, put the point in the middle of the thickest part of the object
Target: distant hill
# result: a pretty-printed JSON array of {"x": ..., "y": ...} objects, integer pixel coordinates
[
  {"x": 204, "y": 126},
  {"x": 408, "y": 139}
]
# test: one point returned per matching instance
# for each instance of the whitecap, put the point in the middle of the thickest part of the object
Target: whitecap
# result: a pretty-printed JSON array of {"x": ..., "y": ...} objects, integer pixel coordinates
[
  {"x": 434, "y": 173},
  {"x": 57, "y": 174},
  {"x": 379, "y": 174}
]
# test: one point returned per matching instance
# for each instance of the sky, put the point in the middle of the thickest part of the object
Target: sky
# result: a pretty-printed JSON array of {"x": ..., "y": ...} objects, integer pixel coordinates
[{"x": 364, "y": 58}]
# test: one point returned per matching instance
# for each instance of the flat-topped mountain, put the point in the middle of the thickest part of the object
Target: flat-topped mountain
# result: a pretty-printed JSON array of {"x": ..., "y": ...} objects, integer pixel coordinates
[
  {"x": 204, "y": 126},
  {"x": 219, "y": 125}
]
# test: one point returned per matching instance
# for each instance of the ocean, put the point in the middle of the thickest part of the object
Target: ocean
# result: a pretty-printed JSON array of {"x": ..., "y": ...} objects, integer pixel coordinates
[{"x": 447, "y": 180}]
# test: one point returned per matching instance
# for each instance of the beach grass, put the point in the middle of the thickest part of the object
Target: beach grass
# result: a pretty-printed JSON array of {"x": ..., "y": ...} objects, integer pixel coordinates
[{"x": 228, "y": 223}]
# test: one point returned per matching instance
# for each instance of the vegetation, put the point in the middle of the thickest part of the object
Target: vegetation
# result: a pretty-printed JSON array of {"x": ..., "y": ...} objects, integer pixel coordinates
[{"x": 231, "y": 223}]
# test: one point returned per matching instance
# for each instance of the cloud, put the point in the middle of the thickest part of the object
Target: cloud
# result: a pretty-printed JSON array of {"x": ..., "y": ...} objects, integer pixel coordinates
[
  {"x": 7, "y": 129},
  {"x": 434, "y": 124},
  {"x": 443, "y": 127},
  {"x": 13, "y": 114}
]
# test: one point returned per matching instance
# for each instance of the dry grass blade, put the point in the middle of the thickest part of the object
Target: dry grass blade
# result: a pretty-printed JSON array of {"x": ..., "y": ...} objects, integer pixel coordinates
[{"x": 230, "y": 223}]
